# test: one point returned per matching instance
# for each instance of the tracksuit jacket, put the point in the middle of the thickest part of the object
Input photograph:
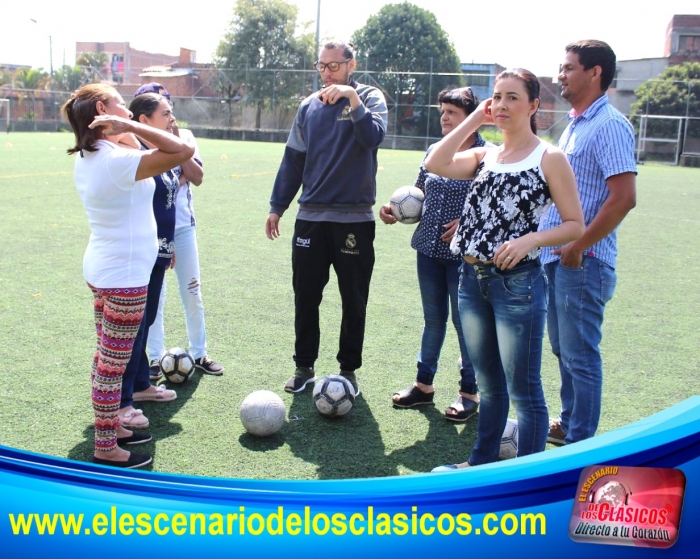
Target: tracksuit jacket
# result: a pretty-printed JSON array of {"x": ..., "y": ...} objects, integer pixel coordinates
[{"x": 332, "y": 153}]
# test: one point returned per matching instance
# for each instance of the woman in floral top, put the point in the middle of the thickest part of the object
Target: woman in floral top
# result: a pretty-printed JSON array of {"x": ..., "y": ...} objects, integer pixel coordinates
[
  {"x": 438, "y": 267},
  {"x": 503, "y": 288}
]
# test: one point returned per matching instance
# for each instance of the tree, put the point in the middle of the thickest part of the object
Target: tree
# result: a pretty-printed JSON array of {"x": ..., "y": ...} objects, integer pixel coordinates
[
  {"x": 30, "y": 78},
  {"x": 675, "y": 92},
  {"x": 92, "y": 59},
  {"x": 5, "y": 76},
  {"x": 407, "y": 46},
  {"x": 35, "y": 80},
  {"x": 93, "y": 63},
  {"x": 69, "y": 78},
  {"x": 258, "y": 52}
]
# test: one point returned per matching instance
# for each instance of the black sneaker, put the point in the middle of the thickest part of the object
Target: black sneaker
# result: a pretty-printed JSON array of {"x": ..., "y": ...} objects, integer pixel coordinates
[
  {"x": 350, "y": 375},
  {"x": 135, "y": 438},
  {"x": 208, "y": 366},
  {"x": 134, "y": 461},
  {"x": 302, "y": 377},
  {"x": 154, "y": 370}
]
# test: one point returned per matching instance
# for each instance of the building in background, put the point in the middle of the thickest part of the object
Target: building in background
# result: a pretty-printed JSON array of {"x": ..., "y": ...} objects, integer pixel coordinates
[
  {"x": 480, "y": 77},
  {"x": 682, "y": 44},
  {"x": 124, "y": 64},
  {"x": 183, "y": 78},
  {"x": 683, "y": 40}
]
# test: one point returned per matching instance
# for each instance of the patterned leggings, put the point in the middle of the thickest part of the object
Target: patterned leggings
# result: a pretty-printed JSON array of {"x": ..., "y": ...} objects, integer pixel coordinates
[{"x": 118, "y": 314}]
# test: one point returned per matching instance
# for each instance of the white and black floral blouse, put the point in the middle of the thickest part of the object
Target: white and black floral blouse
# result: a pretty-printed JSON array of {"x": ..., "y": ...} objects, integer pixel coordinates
[
  {"x": 444, "y": 202},
  {"x": 506, "y": 201}
]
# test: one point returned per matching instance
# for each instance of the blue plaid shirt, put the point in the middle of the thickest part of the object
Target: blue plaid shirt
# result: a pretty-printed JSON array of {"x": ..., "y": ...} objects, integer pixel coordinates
[
  {"x": 599, "y": 144},
  {"x": 444, "y": 202}
]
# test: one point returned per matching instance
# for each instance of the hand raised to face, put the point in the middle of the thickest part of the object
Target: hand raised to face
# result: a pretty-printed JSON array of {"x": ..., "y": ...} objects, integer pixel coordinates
[
  {"x": 331, "y": 94},
  {"x": 111, "y": 124}
]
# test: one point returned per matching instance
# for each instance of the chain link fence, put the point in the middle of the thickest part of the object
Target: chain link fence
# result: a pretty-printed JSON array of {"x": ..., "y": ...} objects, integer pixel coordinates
[{"x": 254, "y": 104}]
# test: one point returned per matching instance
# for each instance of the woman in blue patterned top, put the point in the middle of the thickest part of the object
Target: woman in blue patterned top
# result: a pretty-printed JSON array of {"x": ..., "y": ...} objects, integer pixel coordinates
[
  {"x": 153, "y": 110},
  {"x": 438, "y": 268},
  {"x": 503, "y": 288}
]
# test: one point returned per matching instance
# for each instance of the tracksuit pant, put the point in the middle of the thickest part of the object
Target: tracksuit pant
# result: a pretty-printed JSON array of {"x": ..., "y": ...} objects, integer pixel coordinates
[{"x": 349, "y": 248}]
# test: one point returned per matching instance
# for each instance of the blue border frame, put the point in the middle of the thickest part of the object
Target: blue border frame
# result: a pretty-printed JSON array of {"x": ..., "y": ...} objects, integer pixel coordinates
[{"x": 543, "y": 483}]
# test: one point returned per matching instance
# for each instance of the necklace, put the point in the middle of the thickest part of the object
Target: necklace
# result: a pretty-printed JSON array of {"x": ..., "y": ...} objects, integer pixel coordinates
[{"x": 502, "y": 158}]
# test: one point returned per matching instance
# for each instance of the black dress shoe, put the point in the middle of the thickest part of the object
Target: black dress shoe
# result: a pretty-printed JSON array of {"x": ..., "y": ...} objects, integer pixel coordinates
[
  {"x": 135, "y": 438},
  {"x": 134, "y": 461}
]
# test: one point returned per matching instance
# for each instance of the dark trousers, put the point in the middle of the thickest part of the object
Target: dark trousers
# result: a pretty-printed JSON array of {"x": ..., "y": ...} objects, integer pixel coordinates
[
  {"x": 137, "y": 375},
  {"x": 349, "y": 248}
]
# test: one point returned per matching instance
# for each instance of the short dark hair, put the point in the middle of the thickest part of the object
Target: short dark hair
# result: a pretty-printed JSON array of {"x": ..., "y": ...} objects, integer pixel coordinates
[
  {"x": 596, "y": 53},
  {"x": 462, "y": 97},
  {"x": 81, "y": 109},
  {"x": 145, "y": 104},
  {"x": 347, "y": 48},
  {"x": 532, "y": 86}
]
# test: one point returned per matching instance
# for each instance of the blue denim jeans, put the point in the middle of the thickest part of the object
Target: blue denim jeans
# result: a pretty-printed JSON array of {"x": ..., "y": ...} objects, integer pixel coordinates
[
  {"x": 189, "y": 284},
  {"x": 136, "y": 375},
  {"x": 574, "y": 322},
  {"x": 503, "y": 316},
  {"x": 438, "y": 279}
]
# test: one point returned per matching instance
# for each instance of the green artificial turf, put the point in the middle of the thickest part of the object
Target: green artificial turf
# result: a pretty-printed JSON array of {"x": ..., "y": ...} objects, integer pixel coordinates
[{"x": 650, "y": 345}]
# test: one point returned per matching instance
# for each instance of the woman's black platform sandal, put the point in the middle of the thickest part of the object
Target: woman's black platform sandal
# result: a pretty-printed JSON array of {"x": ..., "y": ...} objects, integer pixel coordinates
[
  {"x": 412, "y": 396},
  {"x": 463, "y": 409}
]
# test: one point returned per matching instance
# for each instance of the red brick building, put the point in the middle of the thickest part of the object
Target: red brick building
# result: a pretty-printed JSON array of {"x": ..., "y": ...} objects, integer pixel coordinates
[
  {"x": 129, "y": 68},
  {"x": 683, "y": 40},
  {"x": 124, "y": 64},
  {"x": 183, "y": 78}
]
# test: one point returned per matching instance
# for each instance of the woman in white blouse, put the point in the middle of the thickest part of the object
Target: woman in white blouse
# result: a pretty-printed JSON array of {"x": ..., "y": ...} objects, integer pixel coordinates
[{"x": 116, "y": 187}]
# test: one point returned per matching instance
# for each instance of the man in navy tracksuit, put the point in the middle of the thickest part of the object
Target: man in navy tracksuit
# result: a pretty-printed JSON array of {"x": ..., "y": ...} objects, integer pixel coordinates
[{"x": 332, "y": 154}]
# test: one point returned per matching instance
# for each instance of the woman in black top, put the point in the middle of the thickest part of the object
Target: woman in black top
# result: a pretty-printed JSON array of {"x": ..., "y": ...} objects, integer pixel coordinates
[{"x": 503, "y": 291}]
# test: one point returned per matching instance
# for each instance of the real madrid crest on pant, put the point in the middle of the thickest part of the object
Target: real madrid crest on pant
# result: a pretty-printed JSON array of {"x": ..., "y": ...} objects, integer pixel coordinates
[{"x": 350, "y": 245}]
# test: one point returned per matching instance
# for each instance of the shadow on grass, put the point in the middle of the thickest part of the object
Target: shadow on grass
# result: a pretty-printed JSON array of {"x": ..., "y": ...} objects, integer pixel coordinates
[
  {"x": 344, "y": 447},
  {"x": 446, "y": 442},
  {"x": 159, "y": 415},
  {"x": 262, "y": 444}
]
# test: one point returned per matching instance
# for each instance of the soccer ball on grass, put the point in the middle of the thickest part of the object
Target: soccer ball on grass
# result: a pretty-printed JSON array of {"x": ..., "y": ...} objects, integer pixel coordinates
[
  {"x": 262, "y": 413},
  {"x": 334, "y": 395},
  {"x": 407, "y": 204},
  {"x": 177, "y": 365}
]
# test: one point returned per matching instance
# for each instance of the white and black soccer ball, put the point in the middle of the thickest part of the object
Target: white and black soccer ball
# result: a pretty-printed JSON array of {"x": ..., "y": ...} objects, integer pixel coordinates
[
  {"x": 509, "y": 441},
  {"x": 334, "y": 395},
  {"x": 407, "y": 204},
  {"x": 177, "y": 365},
  {"x": 262, "y": 413}
]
